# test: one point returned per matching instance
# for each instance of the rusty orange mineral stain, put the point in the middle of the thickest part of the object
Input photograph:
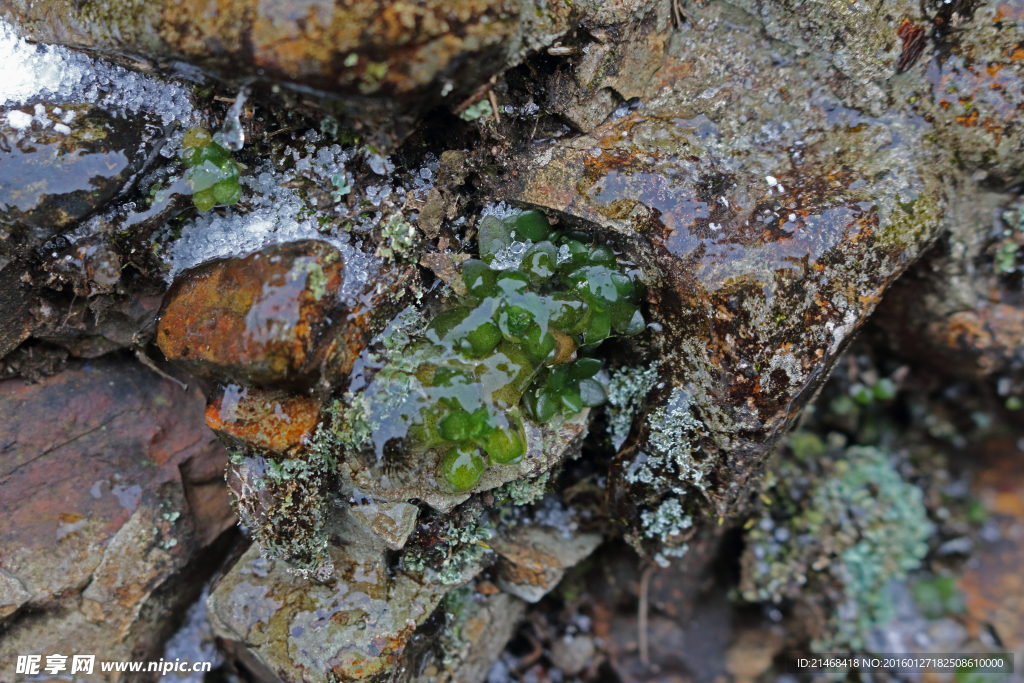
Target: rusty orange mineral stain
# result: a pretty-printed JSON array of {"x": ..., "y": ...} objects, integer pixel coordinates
[
  {"x": 913, "y": 38},
  {"x": 259, "y": 317},
  {"x": 264, "y": 419}
]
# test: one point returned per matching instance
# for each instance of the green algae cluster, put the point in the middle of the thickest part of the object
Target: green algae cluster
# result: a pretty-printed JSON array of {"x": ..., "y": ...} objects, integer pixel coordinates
[
  {"x": 212, "y": 175},
  {"x": 517, "y": 346}
]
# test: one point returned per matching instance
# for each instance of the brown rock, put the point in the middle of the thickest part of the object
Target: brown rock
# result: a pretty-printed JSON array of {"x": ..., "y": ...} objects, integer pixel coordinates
[
  {"x": 110, "y": 493},
  {"x": 267, "y": 420},
  {"x": 955, "y": 311},
  {"x": 389, "y": 60},
  {"x": 763, "y": 251},
  {"x": 15, "y": 309},
  {"x": 992, "y": 584},
  {"x": 534, "y": 559},
  {"x": 261, "y": 319}
]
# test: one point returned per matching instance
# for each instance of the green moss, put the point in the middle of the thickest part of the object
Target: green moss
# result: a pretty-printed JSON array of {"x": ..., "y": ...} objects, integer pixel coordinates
[
  {"x": 212, "y": 175},
  {"x": 456, "y": 391}
]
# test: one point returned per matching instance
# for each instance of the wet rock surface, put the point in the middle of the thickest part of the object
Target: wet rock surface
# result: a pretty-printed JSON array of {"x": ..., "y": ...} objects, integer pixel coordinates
[
  {"x": 60, "y": 165},
  {"x": 254, "y": 320},
  {"x": 357, "y": 626},
  {"x": 388, "y": 61},
  {"x": 112, "y": 498},
  {"x": 634, "y": 435},
  {"x": 773, "y": 232}
]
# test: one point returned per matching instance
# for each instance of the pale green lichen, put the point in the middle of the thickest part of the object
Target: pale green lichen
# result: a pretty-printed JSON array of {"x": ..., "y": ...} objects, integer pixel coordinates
[
  {"x": 397, "y": 237},
  {"x": 667, "y": 524},
  {"x": 478, "y": 110},
  {"x": 670, "y": 519},
  {"x": 627, "y": 390},
  {"x": 456, "y": 558},
  {"x": 673, "y": 441},
  {"x": 523, "y": 491},
  {"x": 851, "y": 524},
  {"x": 283, "y": 504}
]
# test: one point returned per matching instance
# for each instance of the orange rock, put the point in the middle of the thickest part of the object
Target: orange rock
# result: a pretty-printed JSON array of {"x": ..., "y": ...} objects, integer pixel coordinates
[
  {"x": 269, "y": 420},
  {"x": 261, "y": 319},
  {"x": 993, "y": 584}
]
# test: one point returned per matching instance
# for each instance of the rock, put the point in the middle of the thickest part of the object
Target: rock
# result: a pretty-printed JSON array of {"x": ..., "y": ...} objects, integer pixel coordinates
[
  {"x": 970, "y": 83},
  {"x": 480, "y": 627},
  {"x": 863, "y": 44},
  {"x": 958, "y": 310},
  {"x": 392, "y": 522},
  {"x": 259, "y": 319},
  {"x": 753, "y": 653},
  {"x": 546, "y": 447},
  {"x": 534, "y": 559},
  {"x": 572, "y": 654},
  {"x": 91, "y": 266},
  {"x": 15, "y": 308},
  {"x": 992, "y": 585},
  {"x": 768, "y": 217},
  {"x": 111, "y": 500},
  {"x": 53, "y": 174},
  {"x": 612, "y": 70},
  {"x": 386, "y": 60},
  {"x": 354, "y": 627},
  {"x": 266, "y": 420}
]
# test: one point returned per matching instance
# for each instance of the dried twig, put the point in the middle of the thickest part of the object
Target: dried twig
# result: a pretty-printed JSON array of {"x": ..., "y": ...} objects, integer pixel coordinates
[
  {"x": 477, "y": 95},
  {"x": 677, "y": 13},
  {"x": 148, "y": 362},
  {"x": 645, "y": 585},
  {"x": 494, "y": 106}
]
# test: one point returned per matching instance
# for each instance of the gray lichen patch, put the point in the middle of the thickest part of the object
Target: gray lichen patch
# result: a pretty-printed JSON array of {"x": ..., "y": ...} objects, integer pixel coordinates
[
  {"x": 627, "y": 390},
  {"x": 673, "y": 442},
  {"x": 845, "y": 522}
]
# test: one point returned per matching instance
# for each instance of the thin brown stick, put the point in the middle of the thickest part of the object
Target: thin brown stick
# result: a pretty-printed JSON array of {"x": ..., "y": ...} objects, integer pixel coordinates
[
  {"x": 645, "y": 584},
  {"x": 494, "y": 106},
  {"x": 477, "y": 95},
  {"x": 148, "y": 362},
  {"x": 70, "y": 308}
]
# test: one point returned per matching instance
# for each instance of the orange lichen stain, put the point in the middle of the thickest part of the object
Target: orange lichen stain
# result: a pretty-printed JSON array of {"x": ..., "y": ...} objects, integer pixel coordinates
[
  {"x": 968, "y": 120},
  {"x": 267, "y": 420},
  {"x": 1012, "y": 11}
]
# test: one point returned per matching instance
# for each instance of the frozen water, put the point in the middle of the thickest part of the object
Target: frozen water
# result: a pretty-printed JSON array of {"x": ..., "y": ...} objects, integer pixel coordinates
[
  {"x": 57, "y": 75},
  {"x": 30, "y": 70},
  {"x": 279, "y": 216},
  {"x": 234, "y": 135},
  {"x": 19, "y": 120},
  {"x": 499, "y": 210}
]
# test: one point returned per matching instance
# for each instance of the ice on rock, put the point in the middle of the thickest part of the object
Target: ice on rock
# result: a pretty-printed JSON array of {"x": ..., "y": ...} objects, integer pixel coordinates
[
  {"x": 274, "y": 219},
  {"x": 58, "y": 75},
  {"x": 19, "y": 120},
  {"x": 234, "y": 135}
]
